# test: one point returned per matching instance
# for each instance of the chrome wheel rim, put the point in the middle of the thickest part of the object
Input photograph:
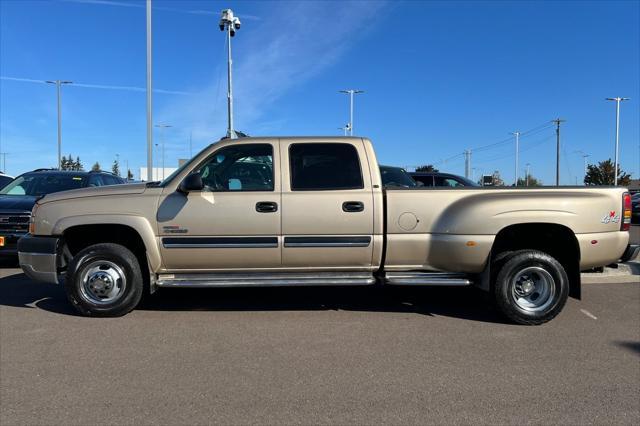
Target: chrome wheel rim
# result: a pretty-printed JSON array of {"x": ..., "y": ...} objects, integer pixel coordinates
[
  {"x": 533, "y": 289},
  {"x": 102, "y": 282}
]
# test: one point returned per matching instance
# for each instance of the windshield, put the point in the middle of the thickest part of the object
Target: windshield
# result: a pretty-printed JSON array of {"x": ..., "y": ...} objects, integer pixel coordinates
[
  {"x": 37, "y": 184},
  {"x": 395, "y": 176},
  {"x": 181, "y": 168}
]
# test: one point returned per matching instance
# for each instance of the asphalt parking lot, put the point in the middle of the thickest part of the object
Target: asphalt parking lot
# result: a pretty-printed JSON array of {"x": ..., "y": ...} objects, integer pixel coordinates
[{"x": 317, "y": 355}]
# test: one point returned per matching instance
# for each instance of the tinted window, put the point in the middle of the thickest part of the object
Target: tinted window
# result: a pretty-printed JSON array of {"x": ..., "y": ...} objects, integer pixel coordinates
[
  {"x": 446, "y": 181},
  {"x": 240, "y": 168},
  {"x": 43, "y": 183},
  {"x": 426, "y": 180},
  {"x": 395, "y": 176},
  {"x": 324, "y": 166},
  {"x": 110, "y": 180},
  {"x": 96, "y": 180}
]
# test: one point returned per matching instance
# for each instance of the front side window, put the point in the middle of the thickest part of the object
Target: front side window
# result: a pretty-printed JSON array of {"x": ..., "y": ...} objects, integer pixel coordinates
[
  {"x": 242, "y": 167},
  {"x": 324, "y": 166}
]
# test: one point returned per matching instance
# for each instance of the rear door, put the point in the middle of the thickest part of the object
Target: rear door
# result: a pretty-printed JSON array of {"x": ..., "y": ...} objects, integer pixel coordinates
[
  {"x": 234, "y": 222},
  {"x": 327, "y": 205}
]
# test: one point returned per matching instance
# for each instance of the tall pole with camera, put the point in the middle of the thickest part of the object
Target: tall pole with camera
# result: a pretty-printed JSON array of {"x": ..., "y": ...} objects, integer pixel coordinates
[{"x": 231, "y": 24}]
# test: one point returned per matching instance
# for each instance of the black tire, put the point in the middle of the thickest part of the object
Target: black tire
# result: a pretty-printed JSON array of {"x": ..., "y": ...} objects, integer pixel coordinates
[
  {"x": 519, "y": 288},
  {"x": 113, "y": 267}
]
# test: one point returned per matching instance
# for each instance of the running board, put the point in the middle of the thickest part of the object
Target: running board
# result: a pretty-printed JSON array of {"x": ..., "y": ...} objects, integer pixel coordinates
[
  {"x": 266, "y": 279},
  {"x": 427, "y": 279}
]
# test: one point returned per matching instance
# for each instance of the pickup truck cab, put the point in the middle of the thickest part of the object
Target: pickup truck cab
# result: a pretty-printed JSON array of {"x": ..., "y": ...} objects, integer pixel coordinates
[{"x": 313, "y": 211}]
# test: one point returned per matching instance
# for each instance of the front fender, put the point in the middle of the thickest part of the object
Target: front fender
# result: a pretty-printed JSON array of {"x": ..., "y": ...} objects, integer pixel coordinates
[{"x": 137, "y": 223}]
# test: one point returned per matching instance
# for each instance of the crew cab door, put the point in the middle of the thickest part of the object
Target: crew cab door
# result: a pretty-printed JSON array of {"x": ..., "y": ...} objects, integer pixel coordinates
[
  {"x": 234, "y": 222},
  {"x": 327, "y": 205}
]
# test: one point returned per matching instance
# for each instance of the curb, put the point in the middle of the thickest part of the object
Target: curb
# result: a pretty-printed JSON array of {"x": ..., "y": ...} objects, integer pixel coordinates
[{"x": 628, "y": 272}]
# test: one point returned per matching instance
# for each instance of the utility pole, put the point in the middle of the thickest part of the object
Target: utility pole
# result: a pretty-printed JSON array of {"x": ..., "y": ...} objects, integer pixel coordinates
[
  {"x": 615, "y": 170},
  {"x": 162, "y": 137},
  {"x": 59, "y": 83},
  {"x": 467, "y": 163},
  {"x": 191, "y": 144},
  {"x": 149, "y": 99},
  {"x": 351, "y": 92},
  {"x": 345, "y": 128},
  {"x": 515, "y": 178},
  {"x": 558, "y": 121},
  {"x": 527, "y": 174},
  {"x": 231, "y": 24},
  {"x": 4, "y": 161}
]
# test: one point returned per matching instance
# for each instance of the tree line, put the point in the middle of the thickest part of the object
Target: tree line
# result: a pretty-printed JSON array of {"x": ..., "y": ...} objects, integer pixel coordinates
[
  {"x": 68, "y": 163},
  {"x": 601, "y": 174}
]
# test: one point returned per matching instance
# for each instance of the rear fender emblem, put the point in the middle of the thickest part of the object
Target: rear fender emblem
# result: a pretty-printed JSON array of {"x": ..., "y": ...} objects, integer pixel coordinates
[{"x": 611, "y": 217}]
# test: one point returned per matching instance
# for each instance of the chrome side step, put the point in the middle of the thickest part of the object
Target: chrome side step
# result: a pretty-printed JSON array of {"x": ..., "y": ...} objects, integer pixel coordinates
[
  {"x": 266, "y": 279},
  {"x": 427, "y": 279}
]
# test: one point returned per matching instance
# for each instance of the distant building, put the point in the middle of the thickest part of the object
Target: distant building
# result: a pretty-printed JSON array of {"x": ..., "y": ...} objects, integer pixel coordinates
[
  {"x": 634, "y": 185},
  {"x": 157, "y": 172}
]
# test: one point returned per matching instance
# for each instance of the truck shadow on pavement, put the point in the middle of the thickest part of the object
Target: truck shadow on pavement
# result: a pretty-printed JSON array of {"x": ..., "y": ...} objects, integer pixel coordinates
[{"x": 465, "y": 303}]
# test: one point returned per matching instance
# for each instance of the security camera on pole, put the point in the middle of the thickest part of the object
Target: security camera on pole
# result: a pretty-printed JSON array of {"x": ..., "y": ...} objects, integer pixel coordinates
[{"x": 231, "y": 24}]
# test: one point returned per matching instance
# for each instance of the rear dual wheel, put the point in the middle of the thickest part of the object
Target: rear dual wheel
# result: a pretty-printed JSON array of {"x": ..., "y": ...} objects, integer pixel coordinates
[{"x": 531, "y": 287}]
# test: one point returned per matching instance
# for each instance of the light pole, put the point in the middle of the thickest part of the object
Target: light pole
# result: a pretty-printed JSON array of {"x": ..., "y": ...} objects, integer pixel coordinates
[
  {"x": 231, "y": 24},
  {"x": 584, "y": 159},
  {"x": 517, "y": 135},
  {"x": 162, "y": 127},
  {"x": 346, "y": 128},
  {"x": 149, "y": 99},
  {"x": 351, "y": 92},
  {"x": 59, "y": 83},
  {"x": 527, "y": 173},
  {"x": 615, "y": 170}
]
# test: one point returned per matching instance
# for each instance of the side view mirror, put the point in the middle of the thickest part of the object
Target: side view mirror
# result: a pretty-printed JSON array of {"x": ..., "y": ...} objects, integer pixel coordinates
[{"x": 193, "y": 182}]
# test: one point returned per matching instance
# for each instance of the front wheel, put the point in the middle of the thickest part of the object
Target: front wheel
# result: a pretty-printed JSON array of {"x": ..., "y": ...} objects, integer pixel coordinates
[
  {"x": 104, "y": 280},
  {"x": 531, "y": 287}
]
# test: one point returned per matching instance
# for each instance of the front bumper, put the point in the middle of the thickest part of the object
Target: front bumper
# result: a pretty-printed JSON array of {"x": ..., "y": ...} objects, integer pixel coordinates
[{"x": 38, "y": 257}]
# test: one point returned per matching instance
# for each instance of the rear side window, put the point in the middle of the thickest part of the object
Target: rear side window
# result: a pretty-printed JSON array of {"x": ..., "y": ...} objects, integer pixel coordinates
[{"x": 324, "y": 166}]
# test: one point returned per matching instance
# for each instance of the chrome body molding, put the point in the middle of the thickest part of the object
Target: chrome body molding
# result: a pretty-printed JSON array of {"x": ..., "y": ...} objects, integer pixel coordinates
[
  {"x": 443, "y": 279},
  {"x": 266, "y": 279}
]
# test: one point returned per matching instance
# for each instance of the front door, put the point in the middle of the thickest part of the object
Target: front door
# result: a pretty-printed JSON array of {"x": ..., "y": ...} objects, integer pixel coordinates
[
  {"x": 327, "y": 206},
  {"x": 234, "y": 222}
]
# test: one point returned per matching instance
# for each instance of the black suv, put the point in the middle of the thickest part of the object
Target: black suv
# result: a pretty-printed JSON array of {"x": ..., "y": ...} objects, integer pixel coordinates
[
  {"x": 18, "y": 198},
  {"x": 430, "y": 179}
]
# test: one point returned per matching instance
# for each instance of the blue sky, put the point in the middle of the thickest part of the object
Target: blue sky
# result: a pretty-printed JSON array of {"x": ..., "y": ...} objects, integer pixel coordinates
[{"x": 439, "y": 77}]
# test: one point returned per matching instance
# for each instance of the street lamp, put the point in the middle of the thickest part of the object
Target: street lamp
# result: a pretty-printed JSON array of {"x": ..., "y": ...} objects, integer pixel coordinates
[
  {"x": 59, "y": 83},
  {"x": 231, "y": 24},
  {"x": 162, "y": 127},
  {"x": 517, "y": 135},
  {"x": 351, "y": 92},
  {"x": 618, "y": 100},
  {"x": 584, "y": 159},
  {"x": 346, "y": 128}
]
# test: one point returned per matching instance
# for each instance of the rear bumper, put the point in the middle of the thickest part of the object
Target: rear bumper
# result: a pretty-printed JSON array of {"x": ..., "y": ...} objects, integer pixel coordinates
[
  {"x": 38, "y": 257},
  {"x": 631, "y": 252}
]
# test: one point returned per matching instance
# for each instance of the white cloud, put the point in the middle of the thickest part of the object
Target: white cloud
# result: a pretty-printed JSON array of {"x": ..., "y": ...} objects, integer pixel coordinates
[{"x": 274, "y": 58}]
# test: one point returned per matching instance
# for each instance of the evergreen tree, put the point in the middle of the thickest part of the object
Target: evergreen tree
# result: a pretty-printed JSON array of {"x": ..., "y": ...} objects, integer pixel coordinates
[
  {"x": 427, "y": 168},
  {"x": 115, "y": 168},
  {"x": 95, "y": 167},
  {"x": 129, "y": 175},
  {"x": 602, "y": 174}
]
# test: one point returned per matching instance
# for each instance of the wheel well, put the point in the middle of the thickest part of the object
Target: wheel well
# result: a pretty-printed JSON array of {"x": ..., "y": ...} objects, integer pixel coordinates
[
  {"x": 553, "y": 239},
  {"x": 79, "y": 237}
]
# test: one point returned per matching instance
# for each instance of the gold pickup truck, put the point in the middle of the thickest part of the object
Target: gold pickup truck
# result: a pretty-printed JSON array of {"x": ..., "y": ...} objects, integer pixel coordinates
[{"x": 313, "y": 211}]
